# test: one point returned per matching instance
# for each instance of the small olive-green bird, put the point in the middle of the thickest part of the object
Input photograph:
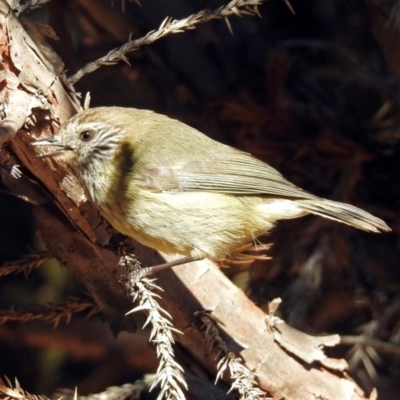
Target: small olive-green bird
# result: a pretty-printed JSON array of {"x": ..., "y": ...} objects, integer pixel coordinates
[{"x": 173, "y": 189}]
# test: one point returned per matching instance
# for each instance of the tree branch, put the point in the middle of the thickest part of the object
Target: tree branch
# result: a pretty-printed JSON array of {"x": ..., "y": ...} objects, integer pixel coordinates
[{"x": 169, "y": 27}]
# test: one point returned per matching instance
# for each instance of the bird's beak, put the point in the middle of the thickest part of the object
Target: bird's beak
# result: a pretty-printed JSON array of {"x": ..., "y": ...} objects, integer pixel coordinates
[{"x": 52, "y": 142}]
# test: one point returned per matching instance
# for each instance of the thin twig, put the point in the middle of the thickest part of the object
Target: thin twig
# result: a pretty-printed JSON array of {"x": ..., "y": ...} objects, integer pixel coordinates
[
  {"x": 52, "y": 314},
  {"x": 128, "y": 391},
  {"x": 168, "y": 27},
  {"x": 25, "y": 264},
  {"x": 382, "y": 347},
  {"x": 10, "y": 391},
  {"x": 243, "y": 380},
  {"x": 169, "y": 375}
]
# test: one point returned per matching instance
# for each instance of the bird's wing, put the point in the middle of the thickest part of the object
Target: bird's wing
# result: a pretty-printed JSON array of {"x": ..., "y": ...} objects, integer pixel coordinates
[{"x": 230, "y": 172}]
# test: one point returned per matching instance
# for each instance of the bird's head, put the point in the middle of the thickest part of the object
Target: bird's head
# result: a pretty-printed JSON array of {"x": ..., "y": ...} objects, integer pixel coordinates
[{"x": 90, "y": 137}]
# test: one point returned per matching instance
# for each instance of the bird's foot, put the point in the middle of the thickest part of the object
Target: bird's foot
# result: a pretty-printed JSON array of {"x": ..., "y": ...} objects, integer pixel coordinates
[{"x": 147, "y": 271}]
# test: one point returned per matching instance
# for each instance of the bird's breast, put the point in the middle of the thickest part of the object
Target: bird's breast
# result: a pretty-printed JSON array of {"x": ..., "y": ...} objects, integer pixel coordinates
[{"x": 196, "y": 223}]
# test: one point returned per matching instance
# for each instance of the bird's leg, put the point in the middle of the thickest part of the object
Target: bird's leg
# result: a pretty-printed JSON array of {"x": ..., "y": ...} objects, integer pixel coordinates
[{"x": 146, "y": 271}]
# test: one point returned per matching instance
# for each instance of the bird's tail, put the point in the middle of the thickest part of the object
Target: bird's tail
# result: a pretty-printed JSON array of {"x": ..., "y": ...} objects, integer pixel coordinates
[{"x": 345, "y": 213}]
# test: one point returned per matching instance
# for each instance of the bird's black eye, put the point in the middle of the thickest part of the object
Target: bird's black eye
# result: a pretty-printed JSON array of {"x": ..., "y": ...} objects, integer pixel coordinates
[{"x": 86, "y": 136}]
